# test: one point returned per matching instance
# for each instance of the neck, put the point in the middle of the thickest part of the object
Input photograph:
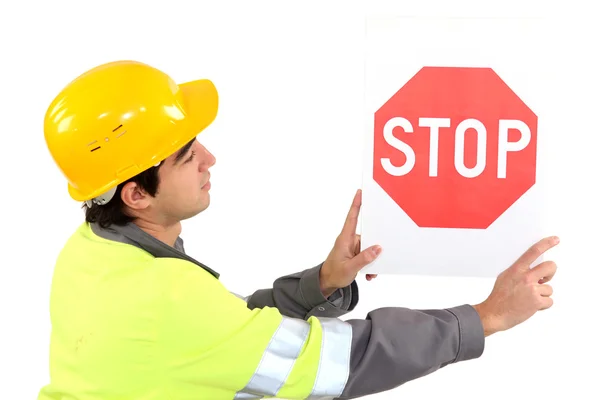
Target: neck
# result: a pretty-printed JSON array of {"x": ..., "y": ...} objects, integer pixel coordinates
[{"x": 165, "y": 233}]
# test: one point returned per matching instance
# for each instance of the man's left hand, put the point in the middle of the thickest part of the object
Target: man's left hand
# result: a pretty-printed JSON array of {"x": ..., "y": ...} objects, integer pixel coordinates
[{"x": 345, "y": 259}]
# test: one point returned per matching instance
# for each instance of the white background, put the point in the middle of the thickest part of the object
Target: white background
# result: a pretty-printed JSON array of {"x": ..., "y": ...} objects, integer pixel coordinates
[{"x": 289, "y": 146}]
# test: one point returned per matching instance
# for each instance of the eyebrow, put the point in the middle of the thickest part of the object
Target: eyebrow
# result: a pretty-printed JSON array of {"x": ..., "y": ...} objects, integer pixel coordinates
[{"x": 183, "y": 151}]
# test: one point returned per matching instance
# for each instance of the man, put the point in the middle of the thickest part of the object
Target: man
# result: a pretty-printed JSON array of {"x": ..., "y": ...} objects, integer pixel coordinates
[{"x": 134, "y": 317}]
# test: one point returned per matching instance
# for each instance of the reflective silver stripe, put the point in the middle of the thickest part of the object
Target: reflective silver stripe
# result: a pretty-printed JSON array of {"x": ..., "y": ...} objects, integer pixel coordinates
[
  {"x": 244, "y": 395},
  {"x": 239, "y": 296},
  {"x": 277, "y": 360},
  {"x": 334, "y": 366}
]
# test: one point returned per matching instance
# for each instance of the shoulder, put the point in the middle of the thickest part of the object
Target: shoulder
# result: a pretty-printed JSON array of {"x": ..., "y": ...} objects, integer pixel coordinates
[{"x": 85, "y": 243}]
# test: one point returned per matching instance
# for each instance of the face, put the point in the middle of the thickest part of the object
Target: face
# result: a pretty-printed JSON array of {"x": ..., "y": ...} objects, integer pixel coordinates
[{"x": 184, "y": 186}]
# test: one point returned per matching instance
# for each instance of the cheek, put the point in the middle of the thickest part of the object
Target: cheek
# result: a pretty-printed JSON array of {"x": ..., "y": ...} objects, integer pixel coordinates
[
  {"x": 181, "y": 188},
  {"x": 187, "y": 186}
]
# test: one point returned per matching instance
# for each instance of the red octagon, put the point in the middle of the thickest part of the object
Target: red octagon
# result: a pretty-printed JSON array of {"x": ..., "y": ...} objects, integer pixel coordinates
[{"x": 455, "y": 147}]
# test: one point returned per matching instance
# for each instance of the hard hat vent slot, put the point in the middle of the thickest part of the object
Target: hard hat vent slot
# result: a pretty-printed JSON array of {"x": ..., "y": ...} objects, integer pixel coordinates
[
  {"x": 106, "y": 138},
  {"x": 120, "y": 134}
]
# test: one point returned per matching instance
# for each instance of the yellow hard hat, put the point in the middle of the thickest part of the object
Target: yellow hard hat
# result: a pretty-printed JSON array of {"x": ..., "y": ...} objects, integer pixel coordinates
[{"x": 119, "y": 119}]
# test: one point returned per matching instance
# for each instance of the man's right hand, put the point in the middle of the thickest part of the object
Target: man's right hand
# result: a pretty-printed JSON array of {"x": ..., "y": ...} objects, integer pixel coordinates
[{"x": 519, "y": 291}]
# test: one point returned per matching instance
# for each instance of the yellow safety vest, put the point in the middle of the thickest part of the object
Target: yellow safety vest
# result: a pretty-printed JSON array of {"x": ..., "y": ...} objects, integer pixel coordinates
[{"x": 128, "y": 325}]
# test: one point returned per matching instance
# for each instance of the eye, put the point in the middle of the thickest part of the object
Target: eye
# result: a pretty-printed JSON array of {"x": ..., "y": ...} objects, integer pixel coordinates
[{"x": 191, "y": 157}]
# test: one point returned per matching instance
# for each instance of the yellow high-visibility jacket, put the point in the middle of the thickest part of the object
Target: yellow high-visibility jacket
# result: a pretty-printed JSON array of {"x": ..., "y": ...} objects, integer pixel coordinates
[{"x": 134, "y": 318}]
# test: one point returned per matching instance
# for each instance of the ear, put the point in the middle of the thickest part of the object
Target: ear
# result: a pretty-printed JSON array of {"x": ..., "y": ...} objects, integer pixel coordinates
[{"x": 135, "y": 197}]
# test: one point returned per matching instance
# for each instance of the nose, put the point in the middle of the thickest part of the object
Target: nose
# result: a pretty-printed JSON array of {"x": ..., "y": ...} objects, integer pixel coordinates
[{"x": 208, "y": 159}]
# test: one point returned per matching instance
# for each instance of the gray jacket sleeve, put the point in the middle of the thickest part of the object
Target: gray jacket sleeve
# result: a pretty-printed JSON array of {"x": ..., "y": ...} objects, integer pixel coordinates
[
  {"x": 391, "y": 345},
  {"x": 299, "y": 296},
  {"x": 394, "y": 345}
]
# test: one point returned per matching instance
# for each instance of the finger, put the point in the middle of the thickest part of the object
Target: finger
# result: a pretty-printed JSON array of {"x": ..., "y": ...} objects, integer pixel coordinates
[
  {"x": 352, "y": 218},
  {"x": 371, "y": 276},
  {"x": 535, "y": 251},
  {"x": 545, "y": 271},
  {"x": 364, "y": 258},
  {"x": 545, "y": 290},
  {"x": 546, "y": 303}
]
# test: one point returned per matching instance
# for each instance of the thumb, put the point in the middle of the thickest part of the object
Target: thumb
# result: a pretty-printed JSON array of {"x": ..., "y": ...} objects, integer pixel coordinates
[{"x": 365, "y": 257}]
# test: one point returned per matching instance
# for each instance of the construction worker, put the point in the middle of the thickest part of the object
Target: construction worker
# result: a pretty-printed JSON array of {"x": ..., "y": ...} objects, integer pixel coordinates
[{"x": 134, "y": 317}]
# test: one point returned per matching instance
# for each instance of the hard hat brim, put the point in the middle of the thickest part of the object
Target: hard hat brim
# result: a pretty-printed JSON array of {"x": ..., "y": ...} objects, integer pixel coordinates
[{"x": 200, "y": 104}]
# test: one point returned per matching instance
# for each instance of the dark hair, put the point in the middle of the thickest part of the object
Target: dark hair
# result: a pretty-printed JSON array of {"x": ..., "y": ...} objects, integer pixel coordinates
[{"x": 113, "y": 213}]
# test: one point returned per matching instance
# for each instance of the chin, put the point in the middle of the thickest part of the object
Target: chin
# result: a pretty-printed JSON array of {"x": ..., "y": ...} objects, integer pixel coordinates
[{"x": 202, "y": 206}]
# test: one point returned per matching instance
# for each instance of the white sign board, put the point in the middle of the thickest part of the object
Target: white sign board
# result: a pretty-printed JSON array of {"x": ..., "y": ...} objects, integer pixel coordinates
[{"x": 453, "y": 168}]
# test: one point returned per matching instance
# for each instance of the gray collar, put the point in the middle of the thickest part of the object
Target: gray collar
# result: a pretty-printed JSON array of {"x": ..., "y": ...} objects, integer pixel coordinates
[{"x": 133, "y": 235}]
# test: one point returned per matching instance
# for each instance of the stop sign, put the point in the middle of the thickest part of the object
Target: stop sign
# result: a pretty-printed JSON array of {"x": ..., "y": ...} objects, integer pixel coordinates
[{"x": 455, "y": 147}]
